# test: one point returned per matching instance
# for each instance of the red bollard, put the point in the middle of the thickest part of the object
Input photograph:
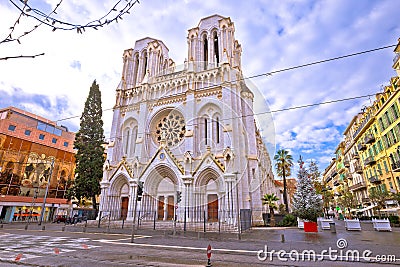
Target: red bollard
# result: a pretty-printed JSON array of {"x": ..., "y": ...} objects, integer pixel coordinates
[{"x": 209, "y": 256}]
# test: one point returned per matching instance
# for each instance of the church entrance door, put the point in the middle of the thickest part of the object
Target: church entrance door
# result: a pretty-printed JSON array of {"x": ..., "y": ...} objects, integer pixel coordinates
[
  {"x": 124, "y": 207},
  {"x": 160, "y": 210},
  {"x": 212, "y": 207}
]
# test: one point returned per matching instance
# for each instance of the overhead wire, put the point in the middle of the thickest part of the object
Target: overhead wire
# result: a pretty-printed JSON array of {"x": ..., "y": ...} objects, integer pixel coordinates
[{"x": 268, "y": 74}]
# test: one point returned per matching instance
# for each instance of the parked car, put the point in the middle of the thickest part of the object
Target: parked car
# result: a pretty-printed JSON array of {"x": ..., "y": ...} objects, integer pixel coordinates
[{"x": 60, "y": 218}]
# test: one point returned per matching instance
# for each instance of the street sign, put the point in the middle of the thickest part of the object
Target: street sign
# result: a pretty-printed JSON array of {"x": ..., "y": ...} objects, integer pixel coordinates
[{"x": 209, "y": 251}]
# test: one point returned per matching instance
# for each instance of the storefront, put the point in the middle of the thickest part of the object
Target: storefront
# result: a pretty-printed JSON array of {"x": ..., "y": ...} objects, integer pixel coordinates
[{"x": 21, "y": 209}]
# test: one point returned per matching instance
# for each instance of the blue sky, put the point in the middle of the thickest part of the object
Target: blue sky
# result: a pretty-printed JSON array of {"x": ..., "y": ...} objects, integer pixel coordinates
[{"x": 273, "y": 34}]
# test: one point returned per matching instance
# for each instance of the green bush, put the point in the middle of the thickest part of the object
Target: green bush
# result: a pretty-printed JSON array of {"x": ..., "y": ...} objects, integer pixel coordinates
[
  {"x": 394, "y": 219},
  {"x": 288, "y": 220}
]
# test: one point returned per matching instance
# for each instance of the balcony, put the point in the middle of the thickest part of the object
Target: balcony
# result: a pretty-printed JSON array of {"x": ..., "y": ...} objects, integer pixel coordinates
[
  {"x": 358, "y": 186},
  {"x": 374, "y": 179},
  {"x": 328, "y": 179},
  {"x": 396, "y": 166},
  {"x": 361, "y": 147},
  {"x": 369, "y": 161},
  {"x": 349, "y": 176},
  {"x": 336, "y": 183},
  {"x": 356, "y": 156},
  {"x": 369, "y": 138},
  {"x": 358, "y": 169},
  {"x": 365, "y": 199},
  {"x": 346, "y": 163}
]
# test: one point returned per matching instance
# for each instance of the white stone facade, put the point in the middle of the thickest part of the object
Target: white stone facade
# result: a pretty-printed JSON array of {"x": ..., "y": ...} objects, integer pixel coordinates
[{"x": 188, "y": 129}]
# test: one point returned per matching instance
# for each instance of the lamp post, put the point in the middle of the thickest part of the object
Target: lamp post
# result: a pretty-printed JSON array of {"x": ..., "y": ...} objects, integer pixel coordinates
[
  {"x": 46, "y": 193},
  {"x": 237, "y": 205}
]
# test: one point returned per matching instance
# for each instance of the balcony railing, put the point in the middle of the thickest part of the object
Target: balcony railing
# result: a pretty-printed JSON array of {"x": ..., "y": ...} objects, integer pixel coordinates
[
  {"x": 369, "y": 138},
  {"x": 358, "y": 186},
  {"x": 374, "y": 179},
  {"x": 358, "y": 169},
  {"x": 356, "y": 156},
  {"x": 365, "y": 199},
  {"x": 361, "y": 147},
  {"x": 346, "y": 163},
  {"x": 336, "y": 183},
  {"x": 369, "y": 161},
  {"x": 396, "y": 166},
  {"x": 349, "y": 176},
  {"x": 328, "y": 179}
]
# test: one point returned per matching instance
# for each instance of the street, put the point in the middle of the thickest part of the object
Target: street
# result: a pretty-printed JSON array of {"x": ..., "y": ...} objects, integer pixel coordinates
[{"x": 59, "y": 245}]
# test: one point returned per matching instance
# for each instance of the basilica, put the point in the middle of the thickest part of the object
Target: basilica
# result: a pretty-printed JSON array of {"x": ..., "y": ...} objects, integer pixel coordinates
[{"x": 186, "y": 134}]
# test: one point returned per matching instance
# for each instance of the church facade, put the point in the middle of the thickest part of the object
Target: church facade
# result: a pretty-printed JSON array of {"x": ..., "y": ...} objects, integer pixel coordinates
[{"x": 186, "y": 133}]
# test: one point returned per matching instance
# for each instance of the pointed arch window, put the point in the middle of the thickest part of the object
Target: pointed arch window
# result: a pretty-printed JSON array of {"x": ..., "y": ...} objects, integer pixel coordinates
[
  {"x": 206, "y": 130},
  {"x": 134, "y": 137},
  {"x": 216, "y": 48},
  {"x": 136, "y": 69},
  {"x": 126, "y": 141},
  {"x": 205, "y": 51},
  {"x": 144, "y": 64}
]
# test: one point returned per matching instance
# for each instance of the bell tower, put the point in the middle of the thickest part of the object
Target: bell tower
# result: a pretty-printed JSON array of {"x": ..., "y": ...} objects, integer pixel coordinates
[{"x": 213, "y": 42}]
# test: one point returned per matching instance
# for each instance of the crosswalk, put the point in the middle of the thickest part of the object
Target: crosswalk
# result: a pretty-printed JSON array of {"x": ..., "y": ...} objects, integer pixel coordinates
[{"x": 18, "y": 247}]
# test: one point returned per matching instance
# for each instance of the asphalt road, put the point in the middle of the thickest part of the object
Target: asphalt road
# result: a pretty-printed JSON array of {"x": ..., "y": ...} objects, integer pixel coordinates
[{"x": 77, "y": 246}]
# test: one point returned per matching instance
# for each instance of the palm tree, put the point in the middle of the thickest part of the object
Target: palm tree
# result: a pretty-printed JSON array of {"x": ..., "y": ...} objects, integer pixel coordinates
[
  {"x": 283, "y": 164},
  {"x": 270, "y": 200}
]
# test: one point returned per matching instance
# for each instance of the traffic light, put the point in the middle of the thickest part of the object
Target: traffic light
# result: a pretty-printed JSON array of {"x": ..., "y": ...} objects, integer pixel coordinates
[
  {"x": 139, "y": 191},
  {"x": 178, "y": 196}
]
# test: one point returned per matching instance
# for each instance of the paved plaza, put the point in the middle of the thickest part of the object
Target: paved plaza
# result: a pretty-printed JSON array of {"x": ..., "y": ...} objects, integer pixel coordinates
[{"x": 75, "y": 245}]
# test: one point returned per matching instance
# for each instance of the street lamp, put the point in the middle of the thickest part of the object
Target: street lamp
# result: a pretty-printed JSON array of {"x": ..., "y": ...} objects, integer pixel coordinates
[
  {"x": 237, "y": 205},
  {"x": 45, "y": 194}
]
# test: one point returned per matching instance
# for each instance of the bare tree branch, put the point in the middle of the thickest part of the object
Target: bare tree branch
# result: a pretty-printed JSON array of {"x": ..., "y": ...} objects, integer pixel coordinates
[{"x": 21, "y": 56}]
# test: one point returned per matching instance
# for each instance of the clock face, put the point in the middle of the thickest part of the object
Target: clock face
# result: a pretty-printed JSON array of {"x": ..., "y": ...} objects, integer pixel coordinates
[{"x": 169, "y": 125}]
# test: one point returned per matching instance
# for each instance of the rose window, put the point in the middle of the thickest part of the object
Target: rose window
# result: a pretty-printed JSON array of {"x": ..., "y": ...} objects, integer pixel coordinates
[{"x": 171, "y": 127}]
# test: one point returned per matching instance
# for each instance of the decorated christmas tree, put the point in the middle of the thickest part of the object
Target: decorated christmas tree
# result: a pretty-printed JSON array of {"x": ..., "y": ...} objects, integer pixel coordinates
[{"x": 307, "y": 204}]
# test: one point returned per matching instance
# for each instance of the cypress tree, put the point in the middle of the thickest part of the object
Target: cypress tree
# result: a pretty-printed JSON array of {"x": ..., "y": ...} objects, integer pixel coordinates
[{"x": 90, "y": 152}]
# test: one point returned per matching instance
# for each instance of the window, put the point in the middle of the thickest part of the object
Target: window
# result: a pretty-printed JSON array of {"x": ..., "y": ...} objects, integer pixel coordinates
[
  {"x": 27, "y": 132},
  {"x": 205, "y": 130},
  {"x": 66, "y": 144},
  {"x": 11, "y": 127},
  {"x": 54, "y": 140},
  {"x": 41, "y": 136},
  {"x": 385, "y": 165}
]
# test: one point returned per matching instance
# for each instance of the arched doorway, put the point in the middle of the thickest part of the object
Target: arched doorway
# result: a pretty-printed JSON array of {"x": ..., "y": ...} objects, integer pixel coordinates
[
  {"x": 160, "y": 186},
  {"x": 208, "y": 192}
]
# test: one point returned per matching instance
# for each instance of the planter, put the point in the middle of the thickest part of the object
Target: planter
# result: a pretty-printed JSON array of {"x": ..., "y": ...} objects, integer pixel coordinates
[{"x": 310, "y": 227}]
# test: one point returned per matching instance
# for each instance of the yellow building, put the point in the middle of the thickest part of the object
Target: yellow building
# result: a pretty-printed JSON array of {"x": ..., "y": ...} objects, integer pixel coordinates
[{"x": 369, "y": 157}]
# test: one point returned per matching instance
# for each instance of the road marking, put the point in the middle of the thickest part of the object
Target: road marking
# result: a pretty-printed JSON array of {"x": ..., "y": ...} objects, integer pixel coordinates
[
  {"x": 175, "y": 247},
  {"x": 20, "y": 248}
]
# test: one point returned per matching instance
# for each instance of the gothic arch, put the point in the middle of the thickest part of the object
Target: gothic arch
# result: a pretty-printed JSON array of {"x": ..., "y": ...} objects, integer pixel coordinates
[
  {"x": 207, "y": 175},
  {"x": 156, "y": 176},
  {"x": 117, "y": 183}
]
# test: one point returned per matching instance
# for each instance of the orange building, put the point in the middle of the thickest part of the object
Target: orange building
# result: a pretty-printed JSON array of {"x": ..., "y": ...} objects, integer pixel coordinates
[{"x": 37, "y": 162}]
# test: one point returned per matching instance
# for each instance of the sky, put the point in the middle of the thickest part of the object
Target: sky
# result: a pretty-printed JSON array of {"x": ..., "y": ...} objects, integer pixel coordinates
[{"x": 274, "y": 34}]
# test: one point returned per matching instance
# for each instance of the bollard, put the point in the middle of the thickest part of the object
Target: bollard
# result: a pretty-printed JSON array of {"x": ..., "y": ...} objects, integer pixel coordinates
[
  {"x": 333, "y": 227},
  {"x": 26, "y": 227},
  {"x": 282, "y": 238},
  {"x": 209, "y": 256},
  {"x": 63, "y": 228},
  {"x": 43, "y": 227}
]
